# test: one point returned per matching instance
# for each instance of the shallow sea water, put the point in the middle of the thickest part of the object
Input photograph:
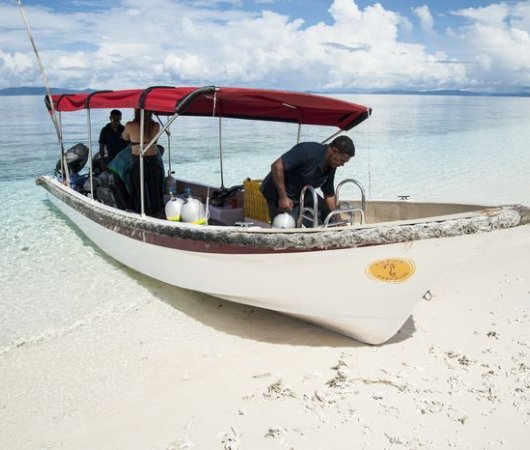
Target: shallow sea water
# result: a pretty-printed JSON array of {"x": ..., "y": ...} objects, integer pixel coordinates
[{"x": 462, "y": 149}]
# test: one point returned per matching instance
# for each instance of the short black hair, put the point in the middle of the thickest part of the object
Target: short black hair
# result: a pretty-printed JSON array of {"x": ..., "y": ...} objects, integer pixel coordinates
[
  {"x": 343, "y": 144},
  {"x": 115, "y": 112}
]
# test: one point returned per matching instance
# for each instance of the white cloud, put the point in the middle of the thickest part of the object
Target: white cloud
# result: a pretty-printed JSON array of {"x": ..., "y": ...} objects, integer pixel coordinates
[
  {"x": 488, "y": 15},
  {"x": 521, "y": 16},
  {"x": 498, "y": 41},
  {"x": 424, "y": 14},
  {"x": 133, "y": 43},
  {"x": 16, "y": 67}
]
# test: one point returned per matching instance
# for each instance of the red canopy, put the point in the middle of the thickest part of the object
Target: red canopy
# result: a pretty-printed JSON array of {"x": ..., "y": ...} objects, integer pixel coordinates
[{"x": 241, "y": 103}]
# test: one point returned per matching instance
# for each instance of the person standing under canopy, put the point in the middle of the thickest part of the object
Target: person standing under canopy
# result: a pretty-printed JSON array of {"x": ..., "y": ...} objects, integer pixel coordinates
[
  {"x": 110, "y": 139},
  {"x": 153, "y": 167},
  {"x": 307, "y": 163}
]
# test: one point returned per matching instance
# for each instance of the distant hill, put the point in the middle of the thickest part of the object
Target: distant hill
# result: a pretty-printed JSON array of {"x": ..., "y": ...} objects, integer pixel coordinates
[
  {"x": 26, "y": 90},
  {"x": 441, "y": 92},
  {"x": 457, "y": 92}
]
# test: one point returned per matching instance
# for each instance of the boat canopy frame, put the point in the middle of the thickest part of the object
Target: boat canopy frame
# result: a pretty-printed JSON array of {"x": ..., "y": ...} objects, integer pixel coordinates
[
  {"x": 231, "y": 102},
  {"x": 212, "y": 101}
]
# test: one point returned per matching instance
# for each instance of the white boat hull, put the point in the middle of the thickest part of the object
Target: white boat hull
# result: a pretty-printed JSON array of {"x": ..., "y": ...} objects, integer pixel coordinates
[{"x": 331, "y": 288}]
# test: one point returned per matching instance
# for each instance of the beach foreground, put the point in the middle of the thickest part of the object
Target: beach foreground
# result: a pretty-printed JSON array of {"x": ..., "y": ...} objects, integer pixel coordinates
[{"x": 182, "y": 370}]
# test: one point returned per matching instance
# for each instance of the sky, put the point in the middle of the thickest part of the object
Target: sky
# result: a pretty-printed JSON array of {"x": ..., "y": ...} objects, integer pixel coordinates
[{"x": 319, "y": 45}]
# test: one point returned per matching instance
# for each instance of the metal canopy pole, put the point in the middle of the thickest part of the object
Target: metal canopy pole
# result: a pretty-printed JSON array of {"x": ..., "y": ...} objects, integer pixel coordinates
[
  {"x": 61, "y": 146},
  {"x": 178, "y": 108},
  {"x": 299, "y": 132},
  {"x": 181, "y": 106},
  {"x": 168, "y": 134},
  {"x": 160, "y": 132},
  {"x": 89, "y": 124},
  {"x": 221, "y": 152},
  {"x": 331, "y": 137},
  {"x": 220, "y": 138},
  {"x": 142, "y": 202}
]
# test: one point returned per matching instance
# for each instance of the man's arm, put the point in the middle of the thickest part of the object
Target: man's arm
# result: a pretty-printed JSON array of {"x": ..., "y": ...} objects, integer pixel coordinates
[
  {"x": 277, "y": 172},
  {"x": 331, "y": 202},
  {"x": 328, "y": 189}
]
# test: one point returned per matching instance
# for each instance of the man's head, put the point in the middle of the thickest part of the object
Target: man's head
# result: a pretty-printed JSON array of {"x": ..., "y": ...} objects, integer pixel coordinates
[
  {"x": 340, "y": 151},
  {"x": 115, "y": 116}
]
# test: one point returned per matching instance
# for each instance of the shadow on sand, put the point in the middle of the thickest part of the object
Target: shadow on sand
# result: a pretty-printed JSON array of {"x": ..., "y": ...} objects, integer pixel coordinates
[{"x": 250, "y": 322}]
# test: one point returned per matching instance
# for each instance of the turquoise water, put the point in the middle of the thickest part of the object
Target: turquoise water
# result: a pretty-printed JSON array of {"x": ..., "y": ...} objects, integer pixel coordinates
[{"x": 465, "y": 149}]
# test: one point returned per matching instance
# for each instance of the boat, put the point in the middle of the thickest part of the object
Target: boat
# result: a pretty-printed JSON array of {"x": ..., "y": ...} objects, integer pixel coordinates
[{"x": 360, "y": 274}]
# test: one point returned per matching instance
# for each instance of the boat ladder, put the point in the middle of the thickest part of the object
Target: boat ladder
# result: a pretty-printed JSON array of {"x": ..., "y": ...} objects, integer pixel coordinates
[
  {"x": 308, "y": 212},
  {"x": 344, "y": 208}
]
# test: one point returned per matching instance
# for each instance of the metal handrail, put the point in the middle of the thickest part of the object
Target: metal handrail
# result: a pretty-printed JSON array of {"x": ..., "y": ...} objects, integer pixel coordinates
[
  {"x": 311, "y": 213},
  {"x": 350, "y": 211},
  {"x": 303, "y": 210},
  {"x": 361, "y": 188}
]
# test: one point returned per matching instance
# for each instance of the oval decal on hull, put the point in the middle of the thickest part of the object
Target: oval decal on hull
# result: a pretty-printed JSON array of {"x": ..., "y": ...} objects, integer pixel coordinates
[{"x": 392, "y": 270}]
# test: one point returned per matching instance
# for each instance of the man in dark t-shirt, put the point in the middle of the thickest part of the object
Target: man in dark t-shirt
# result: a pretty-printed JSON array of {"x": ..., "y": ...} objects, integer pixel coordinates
[
  {"x": 110, "y": 139},
  {"x": 306, "y": 163}
]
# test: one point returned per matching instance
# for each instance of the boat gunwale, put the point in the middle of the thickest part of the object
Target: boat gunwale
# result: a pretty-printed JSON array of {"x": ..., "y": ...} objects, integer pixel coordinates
[{"x": 231, "y": 239}]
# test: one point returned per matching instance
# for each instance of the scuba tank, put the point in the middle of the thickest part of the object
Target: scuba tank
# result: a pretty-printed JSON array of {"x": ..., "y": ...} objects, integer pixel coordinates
[
  {"x": 283, "y": 220},
  {"x": 170, "y": 183},
  {"x": 192, "y": 210},
  {"x": 173, "y": 207}
]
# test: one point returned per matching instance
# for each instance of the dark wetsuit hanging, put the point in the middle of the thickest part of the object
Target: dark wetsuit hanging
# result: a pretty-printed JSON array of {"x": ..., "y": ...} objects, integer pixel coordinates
[{"x": 153, "y": 185}]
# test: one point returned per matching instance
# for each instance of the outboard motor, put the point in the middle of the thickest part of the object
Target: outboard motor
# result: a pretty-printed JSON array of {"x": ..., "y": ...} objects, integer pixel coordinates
[
  {"x": 219, "y": 198},
  {"x": 76, "y": 158}
]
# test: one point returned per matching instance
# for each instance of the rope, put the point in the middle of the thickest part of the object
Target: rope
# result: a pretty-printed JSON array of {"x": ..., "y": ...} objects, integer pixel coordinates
[
  {"x": 214, "y": 103},
  {"x": 64, "y": 165}
]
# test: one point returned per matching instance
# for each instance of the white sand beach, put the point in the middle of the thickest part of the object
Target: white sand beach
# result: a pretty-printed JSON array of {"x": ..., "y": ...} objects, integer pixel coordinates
[
  {"x": 202, "y": 373},
  {"x": 96, "y": 356}
]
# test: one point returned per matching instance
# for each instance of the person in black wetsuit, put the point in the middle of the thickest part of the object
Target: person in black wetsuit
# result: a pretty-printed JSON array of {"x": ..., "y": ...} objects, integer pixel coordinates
[
  {"x": 306, "y": 163},
  {"x": 110, "y": 139},
  {"x": 153, "y": 169}
]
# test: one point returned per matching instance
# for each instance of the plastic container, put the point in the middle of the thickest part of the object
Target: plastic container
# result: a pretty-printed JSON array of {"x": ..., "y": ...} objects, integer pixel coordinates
[{"x": 254, "y": 204}]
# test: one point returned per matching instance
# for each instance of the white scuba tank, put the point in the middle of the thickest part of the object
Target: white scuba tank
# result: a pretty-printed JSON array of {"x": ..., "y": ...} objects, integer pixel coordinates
[
  {"x": 174, "y": 207},
  {"x": 192, "y": 210},
  {"x": 283, "y": 220}
]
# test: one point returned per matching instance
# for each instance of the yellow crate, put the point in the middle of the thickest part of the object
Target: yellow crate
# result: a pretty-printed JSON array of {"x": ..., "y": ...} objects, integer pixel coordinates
[{"x": 254, "y": 204}]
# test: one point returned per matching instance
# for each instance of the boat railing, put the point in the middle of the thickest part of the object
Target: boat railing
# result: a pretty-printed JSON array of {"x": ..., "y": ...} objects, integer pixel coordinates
[
  {"x": 340, "y": 212},
  {"x": 336, "y": 217},
  {"x": 309, "y": 213},
  {"x": 345, "y": 205}
]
